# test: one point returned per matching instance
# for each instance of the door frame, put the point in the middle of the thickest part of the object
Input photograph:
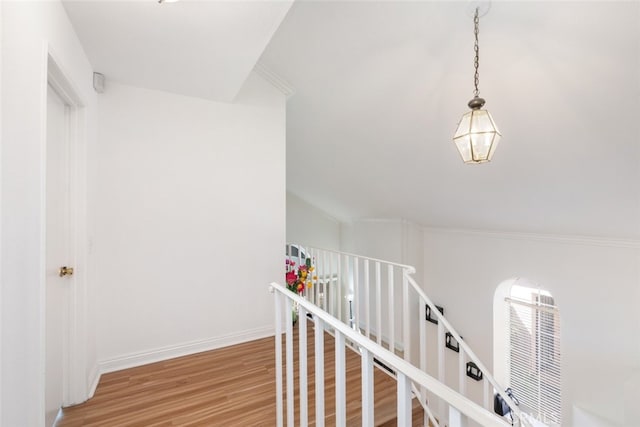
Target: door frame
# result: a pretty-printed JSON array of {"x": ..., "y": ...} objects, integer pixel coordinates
[{"x": 76, "y": 388}]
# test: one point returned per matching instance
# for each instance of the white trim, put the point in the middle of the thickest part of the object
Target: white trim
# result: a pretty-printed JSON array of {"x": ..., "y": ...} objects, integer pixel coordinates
[
  {"x": 93, "y": 385},
  {"x": 555, "y": 238},
  {"x": 380, "y": 220},
  {"x": 76, "y": 380},
  {"x": 1, "y": 210},
  {"x": 169, "y": 352},
  {"x": 40, "y": 401},
  {"x": 274, "y": 79}
]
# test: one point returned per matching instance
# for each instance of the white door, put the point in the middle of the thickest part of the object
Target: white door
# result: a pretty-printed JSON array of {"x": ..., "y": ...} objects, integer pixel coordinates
[{"x": 58, "y": 253}]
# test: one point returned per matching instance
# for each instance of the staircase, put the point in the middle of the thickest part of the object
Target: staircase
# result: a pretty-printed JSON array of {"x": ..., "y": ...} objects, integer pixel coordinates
[
  {"x": 376, "y": 310},
  {"x": 384, "y": 385}
]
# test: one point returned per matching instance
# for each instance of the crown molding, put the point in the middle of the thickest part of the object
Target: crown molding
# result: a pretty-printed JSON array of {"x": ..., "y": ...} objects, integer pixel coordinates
[
  {"x": 555, "y": 238},
  {"x": 278, "y": 82}
]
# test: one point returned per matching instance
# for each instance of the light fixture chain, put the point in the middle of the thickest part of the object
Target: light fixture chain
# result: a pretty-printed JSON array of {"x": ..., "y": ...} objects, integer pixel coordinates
[
  {"x": 476, "y": 48},
  {"x": 477, "y": 136}
]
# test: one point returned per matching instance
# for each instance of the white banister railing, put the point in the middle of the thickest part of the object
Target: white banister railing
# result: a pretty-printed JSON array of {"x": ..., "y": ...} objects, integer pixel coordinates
[
  {"x": 443, "y": 327},
  {"x": 383, "y": 302},
  {"x": 360, "y": 291},
  {"x": 461, "y": 408}
]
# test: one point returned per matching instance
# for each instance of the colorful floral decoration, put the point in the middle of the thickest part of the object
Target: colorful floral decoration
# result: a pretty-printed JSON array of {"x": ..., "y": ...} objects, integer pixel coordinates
[{"x": 299, "y": 279}]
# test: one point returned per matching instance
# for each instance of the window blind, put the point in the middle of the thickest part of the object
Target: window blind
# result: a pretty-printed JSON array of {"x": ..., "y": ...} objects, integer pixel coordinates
[{"x": 534, "y": 356}]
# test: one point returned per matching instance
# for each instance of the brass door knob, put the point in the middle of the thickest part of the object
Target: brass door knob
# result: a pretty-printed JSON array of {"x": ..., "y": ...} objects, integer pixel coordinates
[{"x": 65, "y": 271}]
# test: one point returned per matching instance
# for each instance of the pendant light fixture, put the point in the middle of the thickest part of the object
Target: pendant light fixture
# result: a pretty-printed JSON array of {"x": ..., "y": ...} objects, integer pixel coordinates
[{"x": 477, "y": 135}]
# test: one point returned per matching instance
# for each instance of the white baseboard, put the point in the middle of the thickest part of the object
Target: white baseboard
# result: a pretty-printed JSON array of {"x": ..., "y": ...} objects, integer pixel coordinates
[
  {"x": 95, "y": 379},
  {"x": 164, "y": 353}
]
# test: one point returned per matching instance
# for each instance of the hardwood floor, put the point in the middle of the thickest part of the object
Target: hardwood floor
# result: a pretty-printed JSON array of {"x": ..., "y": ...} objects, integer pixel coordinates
[{"x": 232, "y": 386}]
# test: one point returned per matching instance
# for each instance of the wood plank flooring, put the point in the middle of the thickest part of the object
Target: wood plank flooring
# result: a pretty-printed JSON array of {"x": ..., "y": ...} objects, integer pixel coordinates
[{"x": 232, "y": 386}]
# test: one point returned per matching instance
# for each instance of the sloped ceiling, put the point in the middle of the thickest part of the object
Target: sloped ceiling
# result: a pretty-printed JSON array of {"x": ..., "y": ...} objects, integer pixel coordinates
[
  {"x": 204, "y": 49},
  {"x": 380, "y": 87}
]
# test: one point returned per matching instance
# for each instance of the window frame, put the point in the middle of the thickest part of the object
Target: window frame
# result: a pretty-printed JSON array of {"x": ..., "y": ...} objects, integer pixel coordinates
[{"x": 545, "y": 357}]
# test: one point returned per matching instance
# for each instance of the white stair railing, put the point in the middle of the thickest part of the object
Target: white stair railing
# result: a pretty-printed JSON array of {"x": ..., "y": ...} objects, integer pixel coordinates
[
  {"x": 362, "y": 292},
  {"x": 460, "y": 408},
  {"x": 383, "y": 302}
]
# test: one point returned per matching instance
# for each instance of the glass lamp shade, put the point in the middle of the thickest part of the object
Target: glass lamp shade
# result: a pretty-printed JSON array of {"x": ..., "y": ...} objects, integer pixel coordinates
[{"x": 477, "y": 136}]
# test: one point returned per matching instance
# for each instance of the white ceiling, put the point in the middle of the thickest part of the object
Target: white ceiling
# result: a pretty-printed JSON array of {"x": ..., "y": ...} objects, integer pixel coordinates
[
  {"x": 204, "y": 49},
  {"x": 380, "y": 87}
]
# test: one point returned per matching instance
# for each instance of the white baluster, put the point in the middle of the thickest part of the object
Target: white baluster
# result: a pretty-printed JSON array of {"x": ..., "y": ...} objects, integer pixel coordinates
[
  {"x": 367, "y": 389},
  {"x": 406, "y": 326},
  {"x": 486, "y": 394},
  {"x": 378, "y": 305},
  {"x": 441, "y": 355},
  {"x": 332, "y": 285},
  {"x": 348, "y": 291},
  {"x": 404, "y": 400},
  {"x": 462, "y": 378},
  {"x": 324, "y": 281},
  {"x": 319, "y": 353},
  {"x": 309, "y": 293},
  {"x": 302, "y": 363},
  {"x": 391, "y": 311},
  {"x": 423, "y": 349},
  {"x": 341, "y": 393},
  {"x": 278, "y": 303},
  {"x": 456, "y": 418},
  {"x": 367, "y": 299},
  {"x": 356, "y": 293},
  {"x": 340, "y": 288},
  {"x": 289, "y": 353},
  {"x": 316, "y": 282},
  {"x": 320, "y": 274}
]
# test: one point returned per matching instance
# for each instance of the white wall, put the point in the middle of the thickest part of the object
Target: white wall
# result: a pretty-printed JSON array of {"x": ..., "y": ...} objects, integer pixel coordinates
[
  {"x": 394, "y": 240},
  {"x": 190, "y": 205},
  {"x": 585, "y": 419},
  {"x": 309, "y": 225},
  {"x": 375, "y": 238},
  {"x": 29, "y": 29},
  {"x": 596, "y": 285}
]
